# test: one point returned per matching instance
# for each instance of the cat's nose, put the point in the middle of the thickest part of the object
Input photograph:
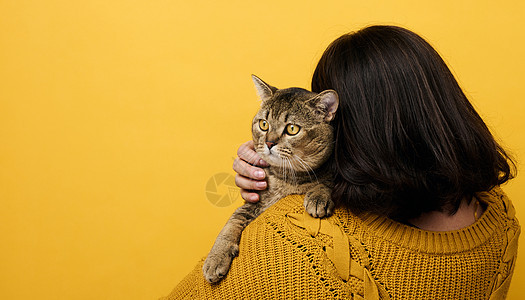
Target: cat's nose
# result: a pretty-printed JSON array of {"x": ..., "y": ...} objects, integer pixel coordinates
[{"x": 270, "y": 144}]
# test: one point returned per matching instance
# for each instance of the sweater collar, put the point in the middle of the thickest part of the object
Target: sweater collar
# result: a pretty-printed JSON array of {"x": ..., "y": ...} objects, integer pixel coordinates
[{"x": 435, "y": 242}]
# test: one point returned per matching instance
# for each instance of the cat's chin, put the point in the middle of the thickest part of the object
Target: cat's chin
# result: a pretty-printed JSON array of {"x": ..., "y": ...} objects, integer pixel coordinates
[
  {"x": 274, "y": 160},
  {"x": 271, "y": 158}
]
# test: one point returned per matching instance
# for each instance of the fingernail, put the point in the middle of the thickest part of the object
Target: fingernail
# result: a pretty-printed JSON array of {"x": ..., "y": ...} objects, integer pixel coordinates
[
  {"x": 261, "y": 184},
  {"x": 262, "y": 163},
  {"x": 254, "y": 197},
  {"x": 259, "y": 174}
]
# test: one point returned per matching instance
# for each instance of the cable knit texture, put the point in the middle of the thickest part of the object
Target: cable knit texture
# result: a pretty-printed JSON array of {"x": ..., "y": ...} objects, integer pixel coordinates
[{"x": 286, "y": 254}]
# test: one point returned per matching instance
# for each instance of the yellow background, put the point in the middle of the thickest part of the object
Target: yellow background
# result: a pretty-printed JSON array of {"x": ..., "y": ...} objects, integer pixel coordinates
[{"x": 115, "y": 113}]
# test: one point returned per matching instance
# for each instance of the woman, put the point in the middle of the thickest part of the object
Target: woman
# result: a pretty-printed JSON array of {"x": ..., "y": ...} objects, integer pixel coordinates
[{"x": 420, "y": 214}]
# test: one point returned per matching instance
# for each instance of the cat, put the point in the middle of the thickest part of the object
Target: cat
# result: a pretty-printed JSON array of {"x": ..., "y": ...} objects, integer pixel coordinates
[{"x": 291, "y": 132}]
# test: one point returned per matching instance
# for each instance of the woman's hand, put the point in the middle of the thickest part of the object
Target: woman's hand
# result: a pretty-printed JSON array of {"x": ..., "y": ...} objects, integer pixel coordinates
[{"x": 249, "y": 177}]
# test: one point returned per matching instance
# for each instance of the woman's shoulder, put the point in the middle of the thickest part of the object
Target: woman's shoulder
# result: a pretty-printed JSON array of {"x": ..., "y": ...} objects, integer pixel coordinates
[
  {"x": 277, "y": 260},
  {"x": 498, "y": 219},
  {"x": 288, "y": 204},
  {"x": 499, "y": 201},
  {"x": 499, "y": 215}
]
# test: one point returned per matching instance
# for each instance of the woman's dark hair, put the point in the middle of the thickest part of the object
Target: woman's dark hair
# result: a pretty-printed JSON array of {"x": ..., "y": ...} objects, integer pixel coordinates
[{"x": 408, "y": 140}]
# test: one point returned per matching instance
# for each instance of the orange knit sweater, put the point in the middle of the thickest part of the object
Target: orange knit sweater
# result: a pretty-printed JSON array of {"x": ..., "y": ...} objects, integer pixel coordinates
[{"x": 286, "y": 254}]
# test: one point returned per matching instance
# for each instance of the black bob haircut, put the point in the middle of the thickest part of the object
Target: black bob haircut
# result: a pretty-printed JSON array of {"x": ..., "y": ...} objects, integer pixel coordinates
[{"x": 408, "y": 141}]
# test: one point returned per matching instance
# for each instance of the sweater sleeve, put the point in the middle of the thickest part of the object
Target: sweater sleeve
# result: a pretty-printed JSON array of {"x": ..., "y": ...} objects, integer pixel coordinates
[
  {"x": 277, "y": 260},
  {"x": 502, "y": 279},
  {"x": 188, "y": 288}
]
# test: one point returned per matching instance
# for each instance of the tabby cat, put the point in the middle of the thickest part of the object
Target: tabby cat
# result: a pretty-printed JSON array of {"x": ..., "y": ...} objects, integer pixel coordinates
[{"x": 291, "y": 132}]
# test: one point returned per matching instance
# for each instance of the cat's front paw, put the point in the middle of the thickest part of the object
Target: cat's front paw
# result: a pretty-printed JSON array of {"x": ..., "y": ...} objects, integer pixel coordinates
[
  {"x": 318, "y": 205},
  {"x": 219, "y": 259}
]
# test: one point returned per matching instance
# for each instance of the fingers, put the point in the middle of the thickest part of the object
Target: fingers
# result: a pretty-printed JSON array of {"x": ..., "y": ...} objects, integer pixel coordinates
[
  {"x": 249, "y": 177},
  {"x": 248, "y": 184},
  {"x": 247, "y": 153},
  {"x": 249, "y": 196},
  {"x": 245, "y": 169},
  {"x": 248, "y": 188}
]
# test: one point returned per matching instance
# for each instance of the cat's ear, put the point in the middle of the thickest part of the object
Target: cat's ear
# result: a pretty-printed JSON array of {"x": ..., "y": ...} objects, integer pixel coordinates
[
  {"x": 264, "y": 90},
  {"x": 325, "y": 104}
]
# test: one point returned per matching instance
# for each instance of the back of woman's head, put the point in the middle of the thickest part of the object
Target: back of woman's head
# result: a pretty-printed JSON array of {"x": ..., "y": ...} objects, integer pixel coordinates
[{"x": 407, "y": 138}]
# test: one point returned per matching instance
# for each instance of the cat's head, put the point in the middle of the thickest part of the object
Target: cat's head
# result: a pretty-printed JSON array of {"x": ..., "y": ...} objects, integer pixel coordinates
[{"x": 292, "y": 128}]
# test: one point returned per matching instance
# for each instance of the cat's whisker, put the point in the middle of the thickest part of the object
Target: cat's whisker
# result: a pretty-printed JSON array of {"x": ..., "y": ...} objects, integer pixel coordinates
[
  {"x": 293, "y": 162},
  {"x": 285, "y": 169},
  {"x": 306, "y": 166},
  {"x": 292, "y": 171},
  {"x": 282, "y": 168}
]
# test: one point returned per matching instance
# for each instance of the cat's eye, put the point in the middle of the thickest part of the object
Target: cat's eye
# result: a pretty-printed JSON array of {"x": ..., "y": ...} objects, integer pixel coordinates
[
  {"x": 263, "y": 124},
  {"x": 292, "y": 129}
]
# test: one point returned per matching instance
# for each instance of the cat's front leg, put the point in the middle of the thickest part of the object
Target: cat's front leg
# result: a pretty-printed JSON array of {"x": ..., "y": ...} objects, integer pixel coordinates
[
  {"x": 219, "y": 259},
  {"x": 226, "y": 245},
  {"x": 318, "y": 201}
]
